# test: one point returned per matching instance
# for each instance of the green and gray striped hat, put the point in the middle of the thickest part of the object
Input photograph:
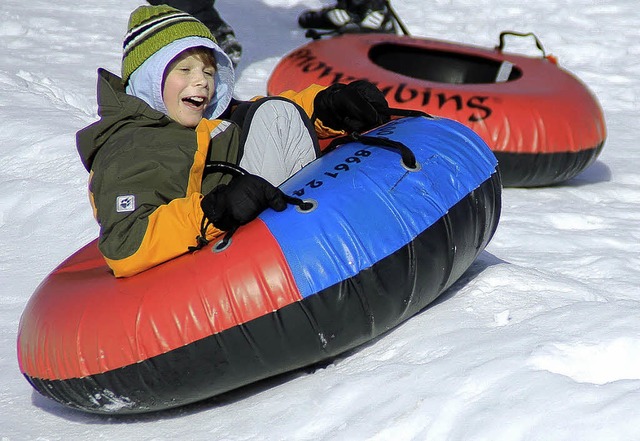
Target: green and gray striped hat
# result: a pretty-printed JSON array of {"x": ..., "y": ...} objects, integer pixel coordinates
[{"x": 153, "y": 27}]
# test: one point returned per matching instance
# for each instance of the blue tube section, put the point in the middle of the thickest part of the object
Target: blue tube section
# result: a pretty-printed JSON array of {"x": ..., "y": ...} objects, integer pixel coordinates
[{"x": 369, "y": 205}]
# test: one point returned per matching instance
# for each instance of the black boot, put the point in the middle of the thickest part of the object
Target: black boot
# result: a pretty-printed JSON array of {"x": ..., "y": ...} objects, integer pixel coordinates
[
  {"x": 350, "y": 16},
  {"x": 332, "y": 17},
  {"x": 225, "y": 36},
  {"x": 227, "y": 41}
]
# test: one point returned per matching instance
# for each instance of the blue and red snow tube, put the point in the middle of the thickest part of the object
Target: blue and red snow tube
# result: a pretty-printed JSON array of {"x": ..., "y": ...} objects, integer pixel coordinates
[{"x": 382, "y": 241}]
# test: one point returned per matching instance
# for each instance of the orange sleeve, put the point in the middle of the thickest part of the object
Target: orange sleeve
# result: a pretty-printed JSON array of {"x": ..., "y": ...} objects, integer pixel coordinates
[
  {"x": 305, "y": 99},
  {"x": 170, "y": 227},
  {"x": 173, "y": 227}
]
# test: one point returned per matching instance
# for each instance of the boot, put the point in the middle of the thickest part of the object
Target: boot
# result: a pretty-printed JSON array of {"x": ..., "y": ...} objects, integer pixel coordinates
[
  {"x": 227, "y": 41},
  {"x": 352, "y": 16}
]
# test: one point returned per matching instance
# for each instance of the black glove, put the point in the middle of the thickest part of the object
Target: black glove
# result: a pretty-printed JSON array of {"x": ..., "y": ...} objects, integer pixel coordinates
[
  {"x": 241, "y": 201},
  {"x": 353, "y": 107}
]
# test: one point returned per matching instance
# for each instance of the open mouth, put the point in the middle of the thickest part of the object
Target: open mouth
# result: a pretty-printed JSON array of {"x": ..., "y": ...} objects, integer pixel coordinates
[{"x": 195, "y": 102}]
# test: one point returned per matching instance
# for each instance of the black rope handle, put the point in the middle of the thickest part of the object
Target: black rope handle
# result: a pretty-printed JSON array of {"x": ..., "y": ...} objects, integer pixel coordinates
[
  {"x": 224, "y": 167},
  {"x": 408, "y": 157},
  {"x": 503, "y": 34},
  {"x": 235, "y": 170}
]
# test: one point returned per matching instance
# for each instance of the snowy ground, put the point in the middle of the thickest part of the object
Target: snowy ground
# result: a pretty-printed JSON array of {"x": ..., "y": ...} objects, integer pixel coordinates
[{"x": 540, "y": 340}]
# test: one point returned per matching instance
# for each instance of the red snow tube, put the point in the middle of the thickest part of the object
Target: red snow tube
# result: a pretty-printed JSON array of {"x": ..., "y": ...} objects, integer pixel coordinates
[
  {"x": 384, "y": 238},
  {"x": 541, "y": 122}
]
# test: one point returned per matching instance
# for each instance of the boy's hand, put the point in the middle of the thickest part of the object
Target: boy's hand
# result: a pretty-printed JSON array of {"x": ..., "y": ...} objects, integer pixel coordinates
[
  {"x": 353, "y": 107},
  {"x": 241, "y": 201}
]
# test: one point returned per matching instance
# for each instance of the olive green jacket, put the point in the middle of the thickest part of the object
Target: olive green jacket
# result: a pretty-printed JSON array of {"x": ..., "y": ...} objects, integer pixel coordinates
[{"x": 147, "y": 175}]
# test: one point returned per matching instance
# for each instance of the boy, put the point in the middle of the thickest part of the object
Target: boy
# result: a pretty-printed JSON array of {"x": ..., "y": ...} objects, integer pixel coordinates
[{"x": 169, "y": 115}]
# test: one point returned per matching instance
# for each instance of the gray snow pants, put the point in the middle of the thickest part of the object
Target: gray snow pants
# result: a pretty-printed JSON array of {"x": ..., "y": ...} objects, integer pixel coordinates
[{"x": 277, "y": 140}]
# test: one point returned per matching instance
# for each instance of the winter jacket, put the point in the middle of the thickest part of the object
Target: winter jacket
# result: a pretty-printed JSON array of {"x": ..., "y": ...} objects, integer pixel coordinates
[{"x": 147, "y": 175}]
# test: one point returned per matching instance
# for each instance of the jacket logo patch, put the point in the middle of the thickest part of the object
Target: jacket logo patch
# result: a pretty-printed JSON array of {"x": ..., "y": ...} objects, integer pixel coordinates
[{"x": 126, "y": 203}]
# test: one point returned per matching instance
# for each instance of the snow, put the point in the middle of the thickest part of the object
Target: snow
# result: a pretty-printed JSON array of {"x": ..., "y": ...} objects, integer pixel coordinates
[{"x": 539, "y": 340}]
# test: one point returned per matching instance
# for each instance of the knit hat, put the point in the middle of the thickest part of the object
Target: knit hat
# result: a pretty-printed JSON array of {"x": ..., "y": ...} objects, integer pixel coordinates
[{"x": 153, "y": 27}]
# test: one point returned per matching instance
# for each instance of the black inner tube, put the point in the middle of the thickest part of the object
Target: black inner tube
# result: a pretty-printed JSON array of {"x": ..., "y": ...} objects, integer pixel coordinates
[{"x": 441, "y": 66}]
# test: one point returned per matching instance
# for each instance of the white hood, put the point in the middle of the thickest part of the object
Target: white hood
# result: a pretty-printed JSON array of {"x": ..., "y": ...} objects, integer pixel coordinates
[{"x": 146, "y": 81}]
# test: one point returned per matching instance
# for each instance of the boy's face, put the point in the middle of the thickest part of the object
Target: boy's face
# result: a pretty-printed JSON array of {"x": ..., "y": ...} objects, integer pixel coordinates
[{"x": 188, "y": 88}]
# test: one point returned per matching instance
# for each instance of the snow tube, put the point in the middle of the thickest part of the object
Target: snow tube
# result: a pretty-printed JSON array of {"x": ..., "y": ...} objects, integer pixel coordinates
[
  {"x": 383, "y": 239},
  {"x": 541, "y": 122}
]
